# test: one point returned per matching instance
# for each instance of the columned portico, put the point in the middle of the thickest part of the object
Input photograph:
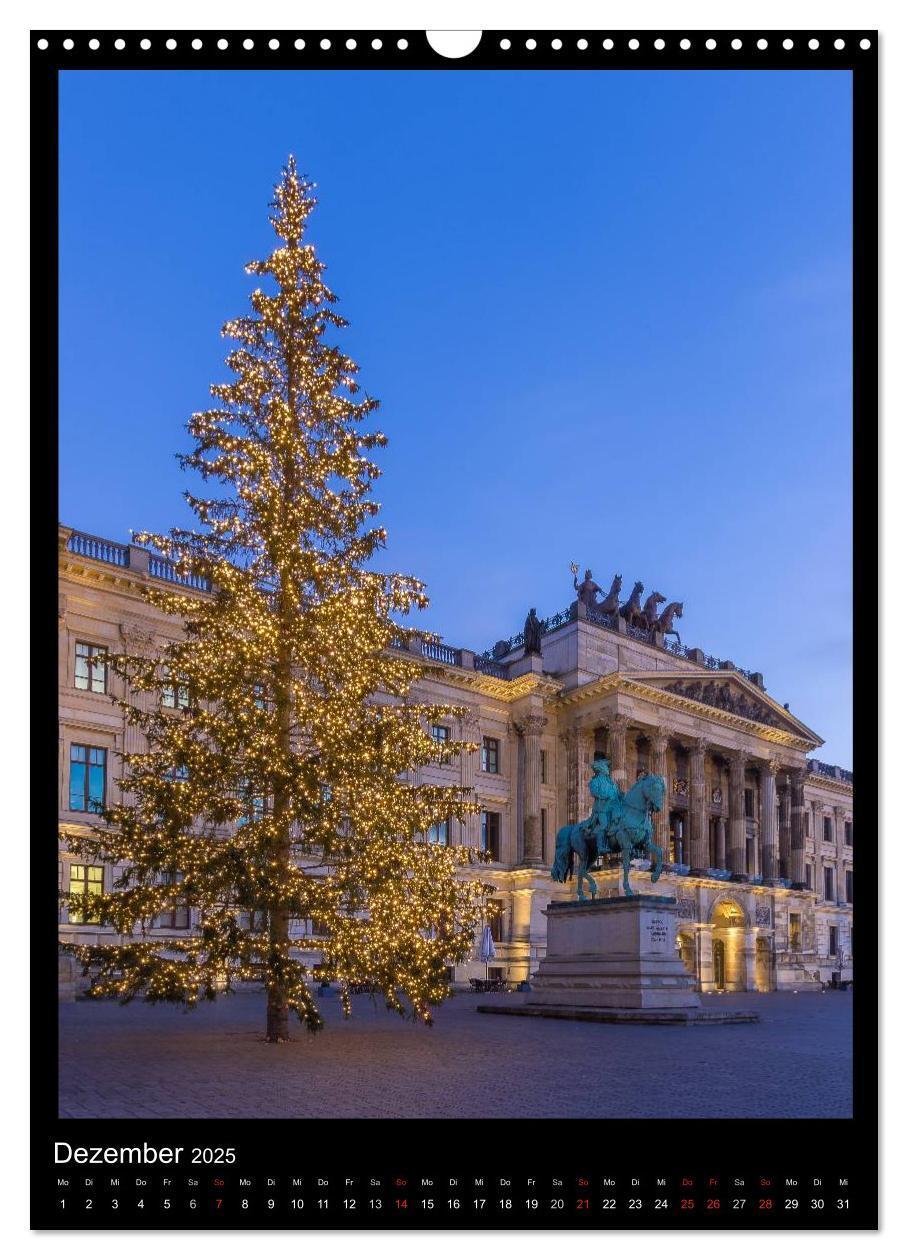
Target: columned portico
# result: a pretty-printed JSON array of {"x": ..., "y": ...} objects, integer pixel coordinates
[
  {"x": 798, "y": 811},
  {"x": 699, "y": 818},
  {"x": 530, "y": 728},
  {"x": 784, "y": 790},
  {"x": 659, "y": 746},
  {"x": 617, "y": 748}
]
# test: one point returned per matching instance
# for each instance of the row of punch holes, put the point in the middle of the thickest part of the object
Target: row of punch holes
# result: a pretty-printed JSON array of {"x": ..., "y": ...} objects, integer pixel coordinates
[{"x": 530, "y": 44}]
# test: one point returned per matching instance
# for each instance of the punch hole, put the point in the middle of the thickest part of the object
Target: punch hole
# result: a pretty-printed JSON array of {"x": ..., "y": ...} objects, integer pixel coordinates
[
  {"x": 351, "y": 44},
  {"x": 788, "y": 44},
  {"x": 839, "y": 44},
  {"x": 376, "y": 44},
  {"x": 736, "y": 44},
  {"x": 531, "y": 44},
  {"x": 94, "y": 44},
  {"x": 813, "y": 44},
  {"x": 42, "y": 44},
  {"x": 145, "y": 44},
  {"x": 451, "y": 44},
  {"x": 171, "y": 44},
  {"x": 69, "y": 45},
  {"x": 325, "y": 44},
  {"x": 222, "y": 44},
  {"x": 633, "y": 44},
  {"x": 865, "y": 44},
  {"x": 402, "y": 44},
  {"x": 583, "y": 44},
  {"x": 274, "y": 44},
  {"x": 504, "y": 45},
  {"x": 196, "y": 44},
  {"x": 659, "y": 44},
  {"x": 711, "y": 45},
  {"x": 762, "y": 44},
  {"x": 248, "y": 44},
  {"x": 685, "y": 45},
  {"x": 608, "y": 44},
  {"x": 556, "y": 45},
  {"x": 299, "y": 44}
]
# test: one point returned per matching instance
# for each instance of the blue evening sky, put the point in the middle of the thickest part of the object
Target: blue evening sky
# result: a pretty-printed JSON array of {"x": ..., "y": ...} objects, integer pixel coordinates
[{"x": 608, "y": 316}]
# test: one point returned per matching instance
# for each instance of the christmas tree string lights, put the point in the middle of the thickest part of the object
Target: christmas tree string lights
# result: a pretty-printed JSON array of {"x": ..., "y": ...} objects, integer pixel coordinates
[{"x": 274, "y": 797}]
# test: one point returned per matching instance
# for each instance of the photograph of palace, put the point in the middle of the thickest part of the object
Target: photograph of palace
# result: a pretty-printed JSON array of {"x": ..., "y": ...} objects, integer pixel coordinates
[{"x": 417, "y": 747}]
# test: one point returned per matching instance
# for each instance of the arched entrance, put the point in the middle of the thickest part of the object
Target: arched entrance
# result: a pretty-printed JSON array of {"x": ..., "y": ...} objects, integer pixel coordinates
[
  {"x": 729, "y": 925},
  {"x": 719, "y": 963}
]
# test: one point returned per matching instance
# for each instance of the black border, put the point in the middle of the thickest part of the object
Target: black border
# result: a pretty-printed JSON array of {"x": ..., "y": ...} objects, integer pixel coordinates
[{"x": 566, "y": 1148}]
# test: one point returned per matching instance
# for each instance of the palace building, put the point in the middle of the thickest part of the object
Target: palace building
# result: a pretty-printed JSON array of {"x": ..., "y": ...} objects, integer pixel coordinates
[{"x": 758, "y": 836}]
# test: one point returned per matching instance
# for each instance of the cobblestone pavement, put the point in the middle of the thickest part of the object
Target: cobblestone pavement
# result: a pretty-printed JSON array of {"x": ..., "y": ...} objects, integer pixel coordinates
[{"x": 146, "y": 1061}]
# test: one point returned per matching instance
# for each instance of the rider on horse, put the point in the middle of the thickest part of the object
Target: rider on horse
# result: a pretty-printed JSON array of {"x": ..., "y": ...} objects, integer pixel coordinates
[{"x": 607, "y": 797}]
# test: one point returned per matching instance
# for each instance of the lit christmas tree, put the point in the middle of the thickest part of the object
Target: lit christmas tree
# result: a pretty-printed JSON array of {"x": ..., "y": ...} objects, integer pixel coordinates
[{"x": 274, "y": 808}]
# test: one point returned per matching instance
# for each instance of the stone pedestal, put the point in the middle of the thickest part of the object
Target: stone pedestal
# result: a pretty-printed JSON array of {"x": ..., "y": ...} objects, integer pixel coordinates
[
  {"x": 615, "y": 961},
  {"x": 615, "y": 952}
]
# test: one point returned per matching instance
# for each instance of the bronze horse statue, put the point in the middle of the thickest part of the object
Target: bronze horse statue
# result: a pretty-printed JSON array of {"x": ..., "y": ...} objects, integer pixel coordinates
[
  {"x": 631, "y": 611},
  {"x": 651, "y": 610},
  {"x": 609, "y": 603},
  {"x": 628, "y": 831},
  {"x": 667, "y": 616}
]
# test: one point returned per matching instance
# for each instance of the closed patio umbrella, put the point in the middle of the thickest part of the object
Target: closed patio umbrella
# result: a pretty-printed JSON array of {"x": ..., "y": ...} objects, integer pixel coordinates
[{"x": 486, "y": 948}]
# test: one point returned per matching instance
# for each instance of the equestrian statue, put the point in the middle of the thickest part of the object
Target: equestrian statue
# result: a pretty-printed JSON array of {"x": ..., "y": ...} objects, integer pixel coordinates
[{"x": 619, "y": 823}]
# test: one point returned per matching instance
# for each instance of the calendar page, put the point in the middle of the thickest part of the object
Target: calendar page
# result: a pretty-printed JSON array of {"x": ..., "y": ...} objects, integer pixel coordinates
[{"x": 460, "y": 441}]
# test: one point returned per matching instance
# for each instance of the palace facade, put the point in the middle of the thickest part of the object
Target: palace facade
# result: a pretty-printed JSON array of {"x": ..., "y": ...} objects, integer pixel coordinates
[{"x": 758, "y": 836}]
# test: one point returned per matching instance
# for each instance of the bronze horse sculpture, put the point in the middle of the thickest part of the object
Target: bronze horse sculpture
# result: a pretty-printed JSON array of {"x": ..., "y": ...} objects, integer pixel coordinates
[
  {"x": 631, "y": 611},
  {"x": 623, "y": 826},
  {"x": 667, "y": 616}
]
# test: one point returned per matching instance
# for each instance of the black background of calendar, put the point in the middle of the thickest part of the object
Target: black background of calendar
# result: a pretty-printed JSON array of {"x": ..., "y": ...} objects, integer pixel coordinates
[{"x": 463, "y": 1148}]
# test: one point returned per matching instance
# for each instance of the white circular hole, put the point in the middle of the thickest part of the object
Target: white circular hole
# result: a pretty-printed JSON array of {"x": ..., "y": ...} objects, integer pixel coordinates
[
  {"x": 556, "y": 44},
  {"x": 94, "y": 44},
  {"x": 788, "y": 44},
  {"x": 505, "y": 44},
  {"x": 865, "y": 44},
  {"x": 840, "y": 44},
  {"x": 813, "y": 44},
  {"x": 376, "y": 44},
  {"x": 711, "y": 45},
  {"x": 299, "y": 43},
  {"x": 685, "y": 44},
  {"x": 119, "y": 44},
  {"x": 659, "y": 44},
  {"x": 145, "y": 44},
  {"x": 69, "y": 45},
  {"x": 633, "y": 44},
  {"x": 736, "y": 44},
  {"x": 607, "y": 44},
  {"x": 351, "y": 44},
  {"x": 531, "y": 44},
  {"x": 42, "y": 44},
  {"x": 248, "y": 44},
  {"x": 171, "y": 44},
  {"x": 326, "y": 44},
  {"x": 274, "y": 44},
  {"x": 583, "y": 44},
  {"x": 402, "y": 44},
  {"x": 222, "y": 44},
  {"x": 762, "y": 44},
  {"x": 197, "y": 44}
]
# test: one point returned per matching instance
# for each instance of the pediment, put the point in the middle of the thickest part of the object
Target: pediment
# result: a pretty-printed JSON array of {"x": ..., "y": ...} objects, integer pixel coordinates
[{"x": 729, "y": 693}]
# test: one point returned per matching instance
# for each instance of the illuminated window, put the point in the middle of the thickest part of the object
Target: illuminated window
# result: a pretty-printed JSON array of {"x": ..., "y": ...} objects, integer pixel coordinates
[
  {"x": 91, "y": 671},
  {"x": 175, "y": 692},
  {"x": 438, "y": 833},
  {"x": 828, "y": 884},
  {"x": 491, "y": 834},
  {"x": 441, "y": 734},
  {"x": 84, "y": 880},
  {"x": 833, "y": 941},
  {"x": 496, "y": 920},
  {"x": 827, "y": 829},
  {"x": 87, "y": 778},
  {"x": 849, "y": 838},
  {"x": 794, "y": 933},
  {"x": 489, "y": 761},
  {"x": 177, "y": 916},
  {"x": 808, "y": 875}
]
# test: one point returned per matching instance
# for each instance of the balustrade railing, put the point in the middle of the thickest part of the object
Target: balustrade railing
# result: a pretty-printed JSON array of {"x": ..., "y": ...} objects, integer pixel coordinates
[
  {"x": 98, "y": 549},
  {"x": 166, "y": 571},
  {"x": 442, "y": 653},
  {"x": 484, "y": 665}
]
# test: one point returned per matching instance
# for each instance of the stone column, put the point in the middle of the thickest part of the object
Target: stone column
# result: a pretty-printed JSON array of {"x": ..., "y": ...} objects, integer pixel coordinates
[
  {"x": 737, "y": 858},
  {"x": 617, "y": 749},
  {"x": 720, "y": 843},
  {"x": 839, "y": 812},
  {"x": 579, "y": 745},
  {"x": 769, "y": 839},
  {"x": 530, "y": 730},
  {"x": 659, "y": 744},
  {"x": 798, "y": 809},
  {"x": 470, "y": 734},
  {"x": 784, "y": 827},
  {"x": 699, "y": 818}
]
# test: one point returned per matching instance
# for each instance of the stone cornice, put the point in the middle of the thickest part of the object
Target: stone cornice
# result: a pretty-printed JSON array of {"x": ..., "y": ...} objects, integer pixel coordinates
[
  {"x": 641, "y": 687},
  {"x": 830, "y": 785}
]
